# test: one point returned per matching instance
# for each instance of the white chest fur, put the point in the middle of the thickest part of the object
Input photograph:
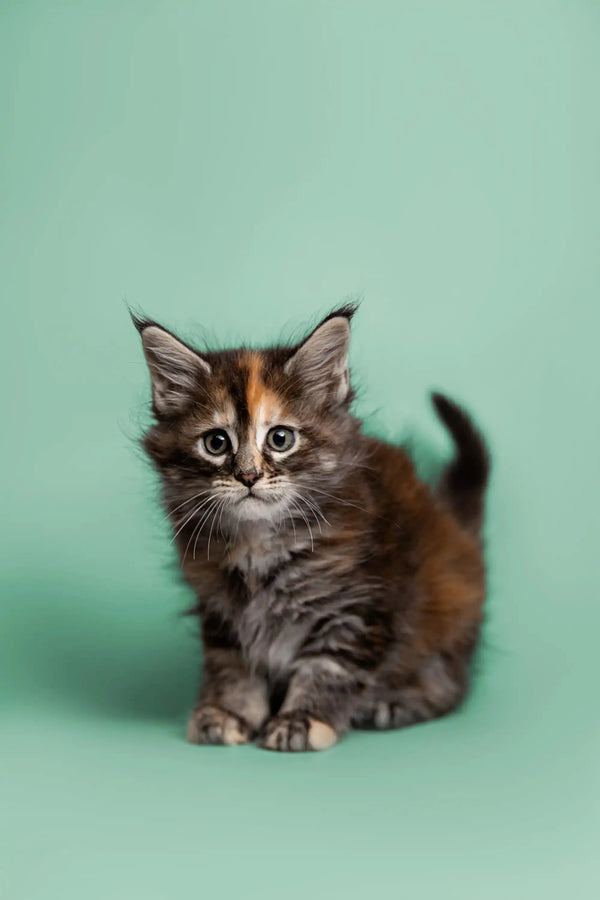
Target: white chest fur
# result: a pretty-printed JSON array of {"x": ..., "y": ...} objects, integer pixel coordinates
[
  {"x": 269, "y": 629},
  {"x": 258, "y": 550}
]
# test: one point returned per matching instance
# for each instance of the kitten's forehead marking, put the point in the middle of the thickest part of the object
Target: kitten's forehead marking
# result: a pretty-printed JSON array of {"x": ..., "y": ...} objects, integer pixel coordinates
[
  {"x": 262, "y": 403},
  {"x": 264, "y": 407}
]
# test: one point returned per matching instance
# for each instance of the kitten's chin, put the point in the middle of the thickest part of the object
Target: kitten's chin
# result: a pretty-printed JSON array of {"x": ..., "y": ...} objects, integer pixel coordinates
[{"x": 253, "y": 508}]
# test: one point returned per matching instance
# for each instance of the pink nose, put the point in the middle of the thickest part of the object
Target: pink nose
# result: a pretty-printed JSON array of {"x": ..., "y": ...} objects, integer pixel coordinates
[{"x": 248, "y": 478}]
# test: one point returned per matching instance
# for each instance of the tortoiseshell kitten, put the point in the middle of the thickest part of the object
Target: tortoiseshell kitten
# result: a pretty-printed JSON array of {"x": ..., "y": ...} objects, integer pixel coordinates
[{"x": 335, "y": 589}]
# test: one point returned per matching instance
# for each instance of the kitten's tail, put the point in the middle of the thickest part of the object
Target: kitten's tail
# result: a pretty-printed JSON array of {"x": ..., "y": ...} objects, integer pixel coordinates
[{"x": 462, "y": 485}]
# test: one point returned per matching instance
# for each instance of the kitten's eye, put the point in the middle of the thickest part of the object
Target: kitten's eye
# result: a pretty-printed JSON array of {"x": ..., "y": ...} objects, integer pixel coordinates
[
  {"x": 280, "y": 439},
  {"x": 217, "y": 442}
]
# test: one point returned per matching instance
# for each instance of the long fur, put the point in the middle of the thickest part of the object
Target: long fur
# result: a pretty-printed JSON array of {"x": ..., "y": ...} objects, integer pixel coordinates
[{"x": 335, "y": 588}]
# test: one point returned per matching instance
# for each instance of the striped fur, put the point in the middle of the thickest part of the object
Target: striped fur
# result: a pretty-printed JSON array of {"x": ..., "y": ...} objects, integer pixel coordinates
[{"x": 335, "y": 589}]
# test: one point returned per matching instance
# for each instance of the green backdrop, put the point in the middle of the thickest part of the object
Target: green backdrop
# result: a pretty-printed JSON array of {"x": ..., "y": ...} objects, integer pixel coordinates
[{"x": 234, "y": 169}]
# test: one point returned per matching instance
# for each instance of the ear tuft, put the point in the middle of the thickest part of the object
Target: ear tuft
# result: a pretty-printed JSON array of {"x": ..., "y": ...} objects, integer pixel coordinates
[
  {"x": 346, "y": 311},
  {"x": 140, "y": 323}
]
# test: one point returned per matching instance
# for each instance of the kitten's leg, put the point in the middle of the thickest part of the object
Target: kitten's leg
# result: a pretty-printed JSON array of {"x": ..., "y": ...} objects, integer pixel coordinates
[
  {"x": 317, "y": 708},
  {"x": 233, "y": 703},
  {"x": 436, "y": 688}
]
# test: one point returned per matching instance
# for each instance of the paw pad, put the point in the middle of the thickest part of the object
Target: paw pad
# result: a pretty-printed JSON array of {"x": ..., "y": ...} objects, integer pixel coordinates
[
  {"x": 292, "y": 732},
  {"x": 213, "y": 725}
]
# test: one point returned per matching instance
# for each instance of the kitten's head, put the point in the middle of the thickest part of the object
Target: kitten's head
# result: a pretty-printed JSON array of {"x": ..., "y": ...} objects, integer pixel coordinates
[{"x": 250, "y": 434}]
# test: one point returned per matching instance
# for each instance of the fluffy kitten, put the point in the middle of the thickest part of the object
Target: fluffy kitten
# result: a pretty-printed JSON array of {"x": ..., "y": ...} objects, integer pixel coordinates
[{"x": 335, "y": 589}]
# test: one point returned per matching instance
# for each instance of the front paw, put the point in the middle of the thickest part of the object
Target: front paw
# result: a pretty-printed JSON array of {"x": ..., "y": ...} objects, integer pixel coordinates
[
  {"x": 293, "y": 731},
  {"x": 213, "y": 725}
]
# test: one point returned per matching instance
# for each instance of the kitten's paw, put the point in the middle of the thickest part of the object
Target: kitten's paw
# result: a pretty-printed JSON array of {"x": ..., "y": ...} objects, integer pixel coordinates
[
  {"x": 213, "y": 725},
  {"x": 294, "y": 731},
  {"x": 399, "y": 715}
]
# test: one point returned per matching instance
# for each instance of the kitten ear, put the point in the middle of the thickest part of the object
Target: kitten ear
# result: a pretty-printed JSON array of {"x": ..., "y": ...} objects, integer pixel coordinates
[
  {"x": 321, "y": 360},
  {"x": 176, "y": 371}
]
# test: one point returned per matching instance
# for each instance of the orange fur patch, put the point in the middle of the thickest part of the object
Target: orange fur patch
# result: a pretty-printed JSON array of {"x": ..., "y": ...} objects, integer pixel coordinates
[
  {"x": 255, "y": 387},
  {"x": 262, "y": 402}
]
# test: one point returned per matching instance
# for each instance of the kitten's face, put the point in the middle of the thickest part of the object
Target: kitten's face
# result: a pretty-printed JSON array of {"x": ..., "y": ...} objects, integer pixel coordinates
[{"x": 250, "y": 434}]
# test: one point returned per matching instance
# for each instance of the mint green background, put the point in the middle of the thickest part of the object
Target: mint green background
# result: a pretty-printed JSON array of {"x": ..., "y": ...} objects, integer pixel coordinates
[{"x": 235, "y": 169}]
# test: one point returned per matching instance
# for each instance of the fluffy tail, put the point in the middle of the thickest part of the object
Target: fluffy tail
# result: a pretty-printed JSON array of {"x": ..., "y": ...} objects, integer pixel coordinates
[{"x": 463, "y": 483}]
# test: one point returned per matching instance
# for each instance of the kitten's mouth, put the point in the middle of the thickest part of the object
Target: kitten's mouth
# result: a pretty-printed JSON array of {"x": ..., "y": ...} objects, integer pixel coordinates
[{"x": 252, "y": 496}]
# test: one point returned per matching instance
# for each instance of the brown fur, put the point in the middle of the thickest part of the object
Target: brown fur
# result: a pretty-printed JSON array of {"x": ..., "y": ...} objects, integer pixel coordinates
[{"x": 348, "y": 592}]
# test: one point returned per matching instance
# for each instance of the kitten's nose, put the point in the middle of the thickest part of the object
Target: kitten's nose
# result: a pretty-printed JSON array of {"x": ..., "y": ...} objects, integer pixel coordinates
[{"x": 248, "y": 478}]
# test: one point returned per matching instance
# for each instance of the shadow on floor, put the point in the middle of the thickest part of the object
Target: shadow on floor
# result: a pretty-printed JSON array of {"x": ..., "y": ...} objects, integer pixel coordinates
[{"x": 101, "y": 648}]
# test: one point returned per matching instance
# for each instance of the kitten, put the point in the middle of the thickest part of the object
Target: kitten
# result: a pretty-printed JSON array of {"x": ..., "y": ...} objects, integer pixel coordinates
[{"x": 335, "y": 589}]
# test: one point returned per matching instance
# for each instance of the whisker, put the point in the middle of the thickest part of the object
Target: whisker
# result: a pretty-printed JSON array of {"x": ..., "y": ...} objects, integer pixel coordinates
[
  {"x": 191, "y": 537},
  {"x": 312, "y": 543},
  {"x": 302, "y": 499},
  {"x": 186, "y": 515},
  {"x": 195, "y": 531},
  {"x": 223, "y": 501},
  {"x": 189, "y": 500},
  {"x": 193, "y": 513},
  {"x": 356, "y": 506},
  {"x": 291, "y": 518},
  {"x": 220, "y": 526},
  {"x": 313, "y": 507},
  {"x": 338, "y": 499},
  {"x": 204, "y": 519}
]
